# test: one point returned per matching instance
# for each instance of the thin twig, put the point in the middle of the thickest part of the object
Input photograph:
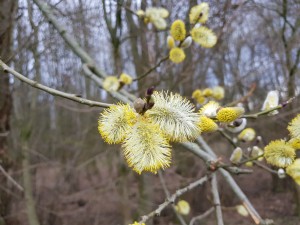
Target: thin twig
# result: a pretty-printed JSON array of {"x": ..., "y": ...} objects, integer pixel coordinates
[
  {"x": 173, "y": 197},
  {"x": 4, "y": 134},
  {"x": 228, "y": 138},
  {"x": 202, "y": 216},
  {"x": 255, "y": 162},
  {"x": 244, "y": 98},
  {"x": 167, "y": 193},
  {"x": 18, "y": 186},
  {"x": 51, "y": 91},
  {"x": 70, "y": 40},
  {"x": 76, "y": 48},
  {"x": 216, "y": 197},
  {"x": 151, "y": 69},
  {"x": 267, "y": 111},
  {"x": 123, "y": 96}
]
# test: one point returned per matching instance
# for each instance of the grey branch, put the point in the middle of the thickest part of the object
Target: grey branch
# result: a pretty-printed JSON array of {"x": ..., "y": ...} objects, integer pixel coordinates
[
  {"x": 167, "y": 193},
  {"x": 202, "y": 216},
  {"x": 70, "y": 40},
  {"x": 234, "y": 186},
  {"x": 51, "y": 91},
  {"x": 173, "y": 197},
  {"x": 216, "y": 197}
]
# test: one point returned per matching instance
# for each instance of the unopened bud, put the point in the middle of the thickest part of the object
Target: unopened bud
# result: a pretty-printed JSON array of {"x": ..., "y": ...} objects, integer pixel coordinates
[
  {"x": 281, "y": 173},
  {"x": 237, "y": 126},
  {"x": 187, "y": 42},
  {"x": 139, "y": 105},
  {"x": 236, "y": 155}
]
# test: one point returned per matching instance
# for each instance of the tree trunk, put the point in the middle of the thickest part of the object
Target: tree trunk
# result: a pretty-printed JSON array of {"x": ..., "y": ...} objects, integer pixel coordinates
[{"x": 7, "y": 13}]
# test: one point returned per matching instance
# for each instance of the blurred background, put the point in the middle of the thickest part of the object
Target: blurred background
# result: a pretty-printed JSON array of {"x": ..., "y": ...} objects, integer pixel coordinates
[{"x": 76, "y": 178}]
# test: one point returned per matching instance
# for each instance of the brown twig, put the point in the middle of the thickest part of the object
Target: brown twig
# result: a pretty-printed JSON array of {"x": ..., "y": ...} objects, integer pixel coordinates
[
  {"x": 151, "y": 69},
  {"x": 244, "y": 98}
]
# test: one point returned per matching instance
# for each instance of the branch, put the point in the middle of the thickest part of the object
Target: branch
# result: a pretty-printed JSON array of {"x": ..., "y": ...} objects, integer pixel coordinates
[
  {"x": 122, "y": 96},
  {"x": 173, "y": 197},
  {"x": 18, "y": 186},
  {"x": 51, "y": 91},
  {"x": 216, "y": 197},
  {"x": 74, "y": 45},
  {"x": 151, "y": 69},
  {"x": 202, "y": 216},
  {"x": 244, "y": 98},
  {"x": 163, "y": 184},
  {"x": 267, "y": 111},
  {"x": 228, "y": 138},
  {"x": 4, "y": 134},
  {"x": 76, "y": 48}
]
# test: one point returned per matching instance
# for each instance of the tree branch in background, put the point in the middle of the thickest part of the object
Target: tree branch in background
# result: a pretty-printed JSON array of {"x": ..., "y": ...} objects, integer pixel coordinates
[
  {"x": 18, "y": 186},
  {"x": 173, "y": 197},
  {"x": 167, "y": 193},
  {"x": 77, "y": 49},
  {"x": 151, "y": 69},
  {"x": 121, "y": 95},
  {"x": 51, "y": 91},
  {"x": 244, "y": 98}
]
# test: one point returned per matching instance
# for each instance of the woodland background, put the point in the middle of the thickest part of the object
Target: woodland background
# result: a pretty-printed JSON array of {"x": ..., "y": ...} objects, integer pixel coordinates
[{"x": 76, "y": 177}]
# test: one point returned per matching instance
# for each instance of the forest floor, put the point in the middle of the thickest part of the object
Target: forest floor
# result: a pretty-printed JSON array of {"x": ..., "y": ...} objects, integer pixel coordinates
[{"x": 97, "y": 200}]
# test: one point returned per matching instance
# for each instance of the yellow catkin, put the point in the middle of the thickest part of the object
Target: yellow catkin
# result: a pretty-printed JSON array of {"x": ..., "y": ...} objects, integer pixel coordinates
[
  {"x": 207, "y": 92},
  {"x": 177, "y": 55},
  {"x": 218, "y": 93},
  {"x": 207, "y": 125},
  {"x": 294, "y": 127},
  {"x": 111, "y": 83},
  {"x": 178, "y": 30},
  {"x": 236, "y": 155},
  {"x": 279, "y": 153},
  {"x": 229, "y": 114},
  {"x": 204, "y": 37},
  {"x": 183, "y": 207},
  {"x": 125, "y": 78},
  {"x": 170, "y": 42},
  {"x": 295, "y": 143},
  {"x": 294, "y": 171},
  {"x": 197, "y": 93},
  {"x": 247, "y": 134},
  {"x": 199, "y": 13}
]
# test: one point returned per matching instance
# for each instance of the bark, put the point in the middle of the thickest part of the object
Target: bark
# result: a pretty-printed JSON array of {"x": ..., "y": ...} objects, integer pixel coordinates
[{"x": 7, "y": 13}]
